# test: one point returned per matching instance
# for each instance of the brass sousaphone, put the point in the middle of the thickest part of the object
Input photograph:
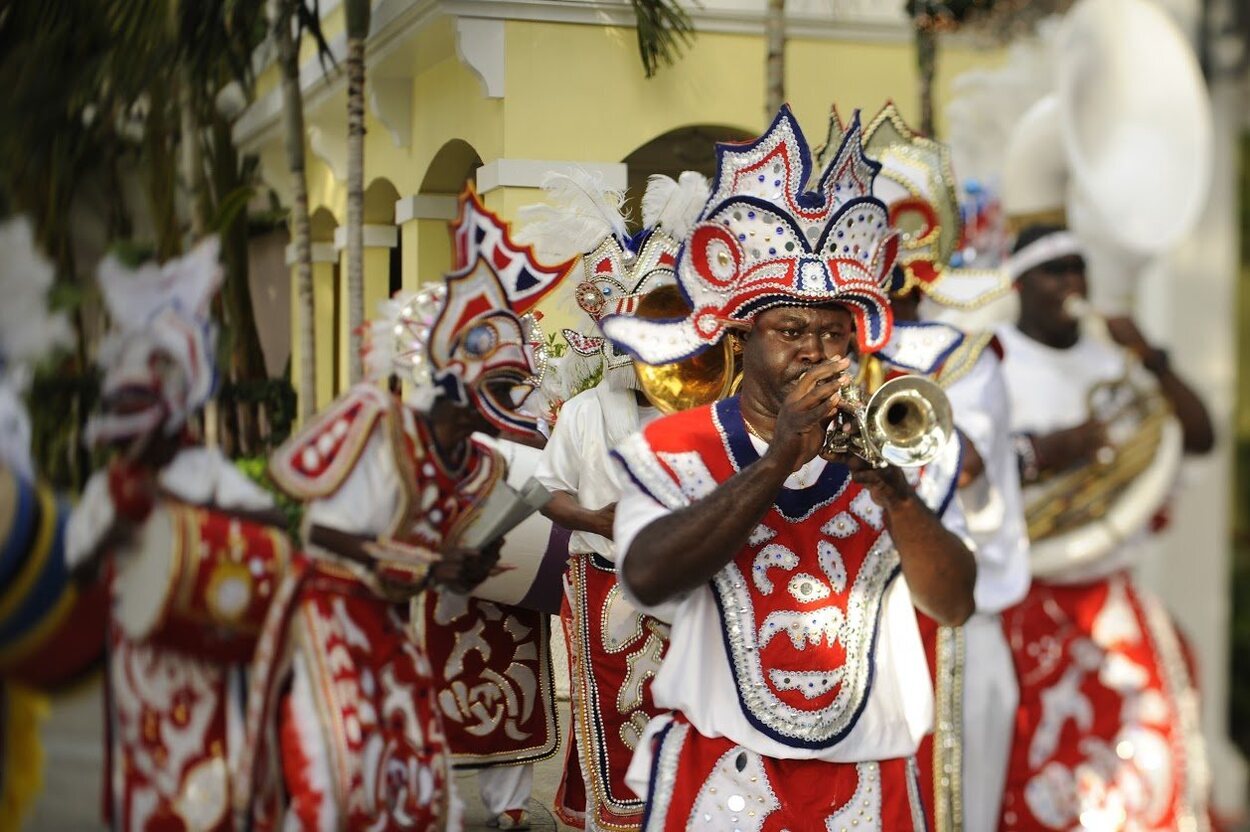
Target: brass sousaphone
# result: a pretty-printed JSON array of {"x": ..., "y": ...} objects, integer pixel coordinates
[
  {"x": 681, "y": 385},
  {"x": 1121, "y": 153}
]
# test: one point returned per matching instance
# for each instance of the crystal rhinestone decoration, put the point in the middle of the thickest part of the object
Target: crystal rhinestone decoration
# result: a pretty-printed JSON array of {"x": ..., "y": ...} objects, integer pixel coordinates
[{"x": 764, "y": 240}]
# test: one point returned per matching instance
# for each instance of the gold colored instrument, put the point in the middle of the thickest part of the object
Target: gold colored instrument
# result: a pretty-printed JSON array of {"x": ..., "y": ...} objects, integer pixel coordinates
[
  {"x": 681, "y": 385},
  {"x": 1135, "y": 416},
  {"x": 905, "y": 423}
]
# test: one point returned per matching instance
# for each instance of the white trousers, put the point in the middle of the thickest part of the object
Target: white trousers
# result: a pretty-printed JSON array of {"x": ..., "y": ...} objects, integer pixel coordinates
[
  {"x": 505, "y": 787},
  {"x": 990, "y": 698}
]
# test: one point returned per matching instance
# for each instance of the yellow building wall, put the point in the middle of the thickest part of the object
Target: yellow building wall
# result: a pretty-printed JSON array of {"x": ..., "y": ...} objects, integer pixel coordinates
[{"x": 578, "y": 93}]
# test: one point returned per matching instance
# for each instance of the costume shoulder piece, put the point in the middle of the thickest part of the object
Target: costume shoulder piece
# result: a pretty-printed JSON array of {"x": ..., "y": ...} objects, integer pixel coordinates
[
  {"x": 660, "y": 457},
  {"x": 922, "y": 346},
  {"x": 964, "y": 357},
  {"x": 316, "y": 461}
]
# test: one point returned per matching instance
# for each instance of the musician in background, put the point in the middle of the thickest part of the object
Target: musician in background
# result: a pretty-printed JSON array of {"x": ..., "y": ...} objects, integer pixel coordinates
[
  {"x": 1107, "y": 728},
  {"x": 164, "y": 504},
  {"x": 964, "y": 761},
  {"x": 615, "y": 649},
  {"x": 795, "y": 671},
  {"x": 390, "y": 487}
]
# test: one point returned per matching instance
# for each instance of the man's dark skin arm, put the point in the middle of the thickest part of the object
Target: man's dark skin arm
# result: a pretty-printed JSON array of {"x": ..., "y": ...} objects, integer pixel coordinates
[
  {"x": 457, "y": 569},
  {"x": 1196, "y": 427},
  {"x": 565, "y": 511}
]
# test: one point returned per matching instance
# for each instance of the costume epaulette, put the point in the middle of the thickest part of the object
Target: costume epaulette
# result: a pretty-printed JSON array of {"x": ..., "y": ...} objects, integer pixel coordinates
[
  {"x": 315, "y": 462},
  {"x": 961, "y": 361}
]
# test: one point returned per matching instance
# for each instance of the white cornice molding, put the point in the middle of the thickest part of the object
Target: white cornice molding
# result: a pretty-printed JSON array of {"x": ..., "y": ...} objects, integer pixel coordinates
[
  {"x": 394, "y": 21},
  {"x": 426, "y": 207},
  {"x": 529, "y": 173},
  {"x": 376, "y": 236},
  {"x": 321, "y": 253}
]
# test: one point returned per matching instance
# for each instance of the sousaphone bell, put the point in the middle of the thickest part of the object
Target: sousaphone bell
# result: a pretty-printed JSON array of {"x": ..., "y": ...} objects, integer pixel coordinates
[{"x": 681, "y": 385}]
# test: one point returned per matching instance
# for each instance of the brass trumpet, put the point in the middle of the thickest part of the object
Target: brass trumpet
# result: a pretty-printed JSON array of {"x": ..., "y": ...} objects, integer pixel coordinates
[{"x": 906, "y": 423}]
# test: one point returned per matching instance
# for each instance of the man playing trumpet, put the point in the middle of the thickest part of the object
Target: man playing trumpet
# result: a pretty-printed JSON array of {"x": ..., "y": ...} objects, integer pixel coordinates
[{"x": 795, "y": 671}]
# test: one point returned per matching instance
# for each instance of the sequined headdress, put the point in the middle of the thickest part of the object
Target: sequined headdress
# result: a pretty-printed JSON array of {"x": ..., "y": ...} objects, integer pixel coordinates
[
  {"x": 583, "y": 218},
  {"x": 918, "y": 186},
  {"x": 764, "y": 240},
  {"x": 473, "y": 338}
]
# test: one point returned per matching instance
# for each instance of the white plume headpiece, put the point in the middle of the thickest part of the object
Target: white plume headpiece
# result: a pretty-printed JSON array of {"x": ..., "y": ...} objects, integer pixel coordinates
[
  {"x": 27, "y": 330},
  {"x": 674, "y": 205},
  {"x": 581, "y": 211},
  {"x": 396, "y": 342}
]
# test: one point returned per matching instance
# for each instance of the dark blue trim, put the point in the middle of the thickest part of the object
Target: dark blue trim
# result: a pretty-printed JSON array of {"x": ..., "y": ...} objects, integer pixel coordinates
[
  {"x": 859, "y": 710},
  {"x": 16, "y": 548},
  {"x": 793, "y": 504},
  {"x": 617, "y": 456},
  {"x": 884, "y": 352},
  {"x": 954, "y": 481},
  {"x": 853, "y": 128},
  {"x": 628, "y": 350},
  {"x": 851, "y": 205},
  {"x": 658, "y": 740}
]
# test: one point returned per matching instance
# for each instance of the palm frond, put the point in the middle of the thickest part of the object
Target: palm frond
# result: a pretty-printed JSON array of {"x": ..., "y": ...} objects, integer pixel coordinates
[{"x": 664, "y": 29}]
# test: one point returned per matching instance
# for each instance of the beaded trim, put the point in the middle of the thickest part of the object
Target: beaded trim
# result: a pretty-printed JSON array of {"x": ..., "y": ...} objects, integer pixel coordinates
[
  {"x": 948, "y": 809},
  {"x": 795, "y": 505},
  {"x": 913, "y": 796},
  {"x": 1192, "y": 811},
  {"x": 669, "y": 744},
  {"x": 921, "y": 346},
  {"x": 737, "y": 794},
  {"x": 964, "y": 358}
]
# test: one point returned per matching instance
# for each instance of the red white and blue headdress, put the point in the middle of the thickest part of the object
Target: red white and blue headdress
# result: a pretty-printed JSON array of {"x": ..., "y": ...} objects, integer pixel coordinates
[
  {"x": 472, "y": 338},
  {"x": 584, "y": 218},
  {"x": 764, "y": 240}
]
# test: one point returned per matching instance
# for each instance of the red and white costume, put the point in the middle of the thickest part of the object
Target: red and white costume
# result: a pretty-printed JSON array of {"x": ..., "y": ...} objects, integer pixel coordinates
[
  {"x": 1106, "y": 731},
  {"x": 796, "y": 675},
  {"x": 614, "y": 649},
  {"x": 803, "y": 649},
  {"x": 192, "y": 583},
  {"x": 964, "y": 761},
  {"x": 367, "y": 734}
]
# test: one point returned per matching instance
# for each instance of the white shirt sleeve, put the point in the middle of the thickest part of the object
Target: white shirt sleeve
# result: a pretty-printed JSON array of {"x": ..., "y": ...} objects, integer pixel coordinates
[{"x": 560, "y": 467}]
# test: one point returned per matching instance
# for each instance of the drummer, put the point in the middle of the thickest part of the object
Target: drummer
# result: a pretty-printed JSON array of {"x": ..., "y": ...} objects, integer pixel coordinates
[
  {"x": 389, "y": 486},
  {"x": 171, "y": 701}
]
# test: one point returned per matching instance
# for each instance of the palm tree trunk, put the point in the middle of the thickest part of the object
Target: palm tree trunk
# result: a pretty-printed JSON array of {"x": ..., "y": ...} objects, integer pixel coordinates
[
  {"x": 301, "y": 233},
  {"x": 357, "y": 12},
  {"x": 775, "y": 62},
  {"x": 192, "y": 159},
  {"x": 926, "y": 62}
]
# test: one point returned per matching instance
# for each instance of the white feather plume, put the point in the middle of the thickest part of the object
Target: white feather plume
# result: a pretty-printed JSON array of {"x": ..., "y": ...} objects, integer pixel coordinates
[
  {"x": 28, "y": 331},
  {"x": 581, "y": 211},
  {"x": 674, "y": 205}
]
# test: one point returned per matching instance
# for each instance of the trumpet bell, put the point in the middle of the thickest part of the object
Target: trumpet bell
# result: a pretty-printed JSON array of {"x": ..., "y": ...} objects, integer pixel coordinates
[
  {"x": 681, "y": 385},
  {"x": 908, "y": 421}
]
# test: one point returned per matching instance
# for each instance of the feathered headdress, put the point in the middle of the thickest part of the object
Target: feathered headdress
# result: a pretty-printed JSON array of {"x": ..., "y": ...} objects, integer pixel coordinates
[
  {"x": 764, "y": 240},
  {"x": 584, "y": 218}
]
